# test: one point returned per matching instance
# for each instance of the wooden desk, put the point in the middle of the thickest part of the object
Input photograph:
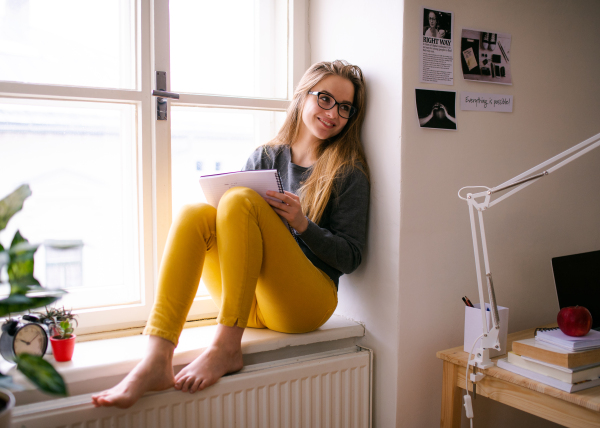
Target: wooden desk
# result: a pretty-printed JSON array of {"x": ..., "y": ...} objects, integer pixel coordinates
[{"x": 579, "y": 409}]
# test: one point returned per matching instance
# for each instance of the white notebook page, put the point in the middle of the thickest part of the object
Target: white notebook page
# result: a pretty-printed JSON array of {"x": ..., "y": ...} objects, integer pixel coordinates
[{"x": 214, "y": 186}]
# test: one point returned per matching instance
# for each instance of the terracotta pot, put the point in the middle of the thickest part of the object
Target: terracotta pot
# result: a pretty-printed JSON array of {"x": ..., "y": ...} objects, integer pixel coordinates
[
  {"x": 63, "y": 348},
  {"x": 6, "y": 413}
]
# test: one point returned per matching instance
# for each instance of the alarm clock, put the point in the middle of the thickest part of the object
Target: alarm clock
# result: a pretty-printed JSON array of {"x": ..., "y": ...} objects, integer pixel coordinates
[{"x": 24, "y": 336}]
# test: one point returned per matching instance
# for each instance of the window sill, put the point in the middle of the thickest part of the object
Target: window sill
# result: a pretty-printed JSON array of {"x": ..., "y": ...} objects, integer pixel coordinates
[{"x": 100, "y": 364}]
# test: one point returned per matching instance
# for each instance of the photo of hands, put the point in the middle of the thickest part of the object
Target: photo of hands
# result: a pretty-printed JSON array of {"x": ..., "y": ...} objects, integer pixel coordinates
[
  {"x": 485, "y": 56},
  {"x": 436, "y": 109}
]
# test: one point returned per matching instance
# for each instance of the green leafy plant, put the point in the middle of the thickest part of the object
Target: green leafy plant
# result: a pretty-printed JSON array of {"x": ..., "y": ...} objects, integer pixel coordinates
[
  {"x": 60, "y": 321},
  {"x": 25, "y": 293}
]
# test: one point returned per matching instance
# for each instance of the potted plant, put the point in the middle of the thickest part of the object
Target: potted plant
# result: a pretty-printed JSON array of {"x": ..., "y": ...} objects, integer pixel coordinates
[
  {"x": 25, "y": 293},
  {"x": 61, "y": 324}
]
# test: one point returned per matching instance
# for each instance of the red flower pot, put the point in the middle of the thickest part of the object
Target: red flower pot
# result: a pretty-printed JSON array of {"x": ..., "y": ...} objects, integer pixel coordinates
[{"x": 63, "y": 348}]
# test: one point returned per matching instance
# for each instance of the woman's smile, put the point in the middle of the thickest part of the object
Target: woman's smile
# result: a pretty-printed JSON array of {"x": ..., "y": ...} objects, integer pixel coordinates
[{"x": 327, "y": 124}]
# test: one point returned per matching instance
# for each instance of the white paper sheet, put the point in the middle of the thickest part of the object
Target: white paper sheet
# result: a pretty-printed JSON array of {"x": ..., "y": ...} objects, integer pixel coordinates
[
  {"x": 436, "y": 53},
  {"x": 486, "y": 102}
]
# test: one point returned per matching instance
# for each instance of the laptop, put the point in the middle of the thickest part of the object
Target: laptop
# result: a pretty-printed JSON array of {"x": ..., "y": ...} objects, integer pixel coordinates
[{"x": 577, "y": 279}]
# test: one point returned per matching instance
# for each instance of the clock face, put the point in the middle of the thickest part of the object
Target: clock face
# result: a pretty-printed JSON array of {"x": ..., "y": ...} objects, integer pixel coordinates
[{"x": 31, "y": 339}]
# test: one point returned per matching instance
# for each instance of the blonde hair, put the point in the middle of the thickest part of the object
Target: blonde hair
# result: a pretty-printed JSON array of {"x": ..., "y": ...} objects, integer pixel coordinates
[{"x": 337, "y": 156}]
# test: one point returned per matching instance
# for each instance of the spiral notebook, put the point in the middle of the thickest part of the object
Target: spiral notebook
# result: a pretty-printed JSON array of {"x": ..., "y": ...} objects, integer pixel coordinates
[{"x": 214, "y": 186}]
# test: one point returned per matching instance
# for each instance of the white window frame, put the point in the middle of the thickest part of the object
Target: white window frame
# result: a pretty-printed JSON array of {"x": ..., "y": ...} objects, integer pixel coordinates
[{"x": 154, "y": 145}]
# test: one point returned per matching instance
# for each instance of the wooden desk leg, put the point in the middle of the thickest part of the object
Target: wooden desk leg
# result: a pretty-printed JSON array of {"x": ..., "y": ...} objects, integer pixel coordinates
[{"x": 451, "y": 397}]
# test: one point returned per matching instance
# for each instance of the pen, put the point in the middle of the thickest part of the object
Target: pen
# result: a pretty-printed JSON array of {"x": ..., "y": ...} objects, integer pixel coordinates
[
  {"x": 465, "y": 300},
  {"x": 469, "y": 302}
]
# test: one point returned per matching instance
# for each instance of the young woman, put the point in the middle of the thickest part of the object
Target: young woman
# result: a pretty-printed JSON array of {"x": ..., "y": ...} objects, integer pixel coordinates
[
  {"x": 434, "y": 30},
  {"x": 255, "y": 270}
]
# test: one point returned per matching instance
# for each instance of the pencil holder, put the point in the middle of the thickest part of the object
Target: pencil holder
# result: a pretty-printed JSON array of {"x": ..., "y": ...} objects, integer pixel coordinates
[{"x": 473, "y": 328}]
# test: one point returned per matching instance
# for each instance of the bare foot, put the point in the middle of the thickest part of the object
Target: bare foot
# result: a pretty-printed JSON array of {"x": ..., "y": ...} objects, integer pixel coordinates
[
  {"x": 153, "y": 373},
  {"x": 208, "y": 368}
]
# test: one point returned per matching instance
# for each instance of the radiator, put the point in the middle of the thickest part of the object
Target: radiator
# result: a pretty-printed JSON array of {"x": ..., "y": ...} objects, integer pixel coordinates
[{"x": 331, "y": 389}]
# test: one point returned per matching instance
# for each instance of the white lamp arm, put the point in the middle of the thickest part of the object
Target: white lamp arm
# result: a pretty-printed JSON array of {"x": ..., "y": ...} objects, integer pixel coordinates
[{"x": 525, "y": 178}]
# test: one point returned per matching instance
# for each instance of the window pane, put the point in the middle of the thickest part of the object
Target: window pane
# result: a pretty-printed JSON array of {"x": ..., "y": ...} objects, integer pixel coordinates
[
  {"x": 79, "y": 160},
  {"x": 229, "y": 47},
  {"x": 68, "y": 42},
  {"x": 209, "y": 141}
]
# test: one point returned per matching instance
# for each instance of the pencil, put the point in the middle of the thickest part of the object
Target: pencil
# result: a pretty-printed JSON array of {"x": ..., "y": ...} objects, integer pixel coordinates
[
  {"x": 469, "y": 302},
  {"x": 503, "y": 53}
]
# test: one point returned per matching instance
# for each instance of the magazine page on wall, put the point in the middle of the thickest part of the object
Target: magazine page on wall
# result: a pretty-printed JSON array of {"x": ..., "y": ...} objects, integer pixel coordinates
[
  {"x": 485, "y": 56},
  {"x": 436, "y": 109},
  {"x": 436, "y": 54}
]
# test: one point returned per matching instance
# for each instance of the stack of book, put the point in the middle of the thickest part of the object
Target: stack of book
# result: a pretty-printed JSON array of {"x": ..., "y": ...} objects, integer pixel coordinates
[{"x": 564, "y": 362}]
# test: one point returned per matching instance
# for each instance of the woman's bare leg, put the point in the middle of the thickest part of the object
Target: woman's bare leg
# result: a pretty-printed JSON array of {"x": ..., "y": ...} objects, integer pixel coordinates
[
  {"x": 223, "y": 356},
  {"x": 153, "y": 373}
]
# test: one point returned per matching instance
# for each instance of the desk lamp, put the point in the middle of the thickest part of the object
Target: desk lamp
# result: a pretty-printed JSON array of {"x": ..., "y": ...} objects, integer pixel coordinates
[{"x": 489, "y": 337}]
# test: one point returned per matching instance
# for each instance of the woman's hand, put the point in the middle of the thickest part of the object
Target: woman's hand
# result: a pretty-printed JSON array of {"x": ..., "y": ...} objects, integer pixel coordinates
[
  {"x": 423, "y": 120},
  {"x": 447, "y": 114},
  {"x": 289, "y": 209}
]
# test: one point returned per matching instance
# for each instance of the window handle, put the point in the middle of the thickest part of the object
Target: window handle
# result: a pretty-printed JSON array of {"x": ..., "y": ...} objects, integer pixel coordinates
[
  {"x": 165, "y": 94},
  {"x": 161, "y": 93}
]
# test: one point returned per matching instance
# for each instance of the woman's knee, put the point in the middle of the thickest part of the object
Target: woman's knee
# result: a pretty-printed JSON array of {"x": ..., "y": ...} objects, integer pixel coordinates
[
  {"x": 239, "y": 196},
  {"x": 193, "y": 215}
]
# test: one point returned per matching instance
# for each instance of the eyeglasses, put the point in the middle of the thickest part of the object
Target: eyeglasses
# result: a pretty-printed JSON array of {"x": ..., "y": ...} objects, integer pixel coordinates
[{"x": 327, "y": 102}]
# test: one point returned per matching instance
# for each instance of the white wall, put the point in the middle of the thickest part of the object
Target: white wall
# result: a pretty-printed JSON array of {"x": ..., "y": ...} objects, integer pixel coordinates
[
  {"x": 360, "y": 32},
  {"x": 416, "y": 220},
  {"x": 555, "y": 61}
]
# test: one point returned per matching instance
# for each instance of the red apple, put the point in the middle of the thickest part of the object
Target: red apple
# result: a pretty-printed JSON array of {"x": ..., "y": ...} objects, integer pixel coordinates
[{"x": 574, "y": 321}]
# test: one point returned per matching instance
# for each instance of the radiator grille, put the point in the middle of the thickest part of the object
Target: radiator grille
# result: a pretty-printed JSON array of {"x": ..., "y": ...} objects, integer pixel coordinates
[{"x": 326, "y": 392}]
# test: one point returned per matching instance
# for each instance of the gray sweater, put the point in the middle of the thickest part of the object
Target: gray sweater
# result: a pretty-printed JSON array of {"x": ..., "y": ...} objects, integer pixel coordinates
[{"x": 335, "y": 245}]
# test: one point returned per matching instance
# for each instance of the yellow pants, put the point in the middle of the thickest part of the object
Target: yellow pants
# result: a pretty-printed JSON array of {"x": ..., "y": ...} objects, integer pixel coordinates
[{"x": 253, "y": 269}]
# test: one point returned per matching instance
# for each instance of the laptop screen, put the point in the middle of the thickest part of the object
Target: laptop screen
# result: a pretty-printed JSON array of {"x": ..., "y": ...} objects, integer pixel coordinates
[{"x": 577, "y": 279}]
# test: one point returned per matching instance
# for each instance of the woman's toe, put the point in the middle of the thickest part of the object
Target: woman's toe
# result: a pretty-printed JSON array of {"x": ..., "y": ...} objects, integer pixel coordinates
[
  {"x": 195, "y": 385},
  {"x": 97, "y": 397},
  {"x": 179, "y": 382},
  {"x": 203, "y": 385},
  {"x": 188, "y": 383},
  {"x": 102, "y": 401}
]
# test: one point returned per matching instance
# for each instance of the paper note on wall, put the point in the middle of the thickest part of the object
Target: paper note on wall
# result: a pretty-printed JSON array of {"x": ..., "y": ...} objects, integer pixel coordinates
[
  {"x": 486, "y": 102},
  {"x": 470, "y": 58}
]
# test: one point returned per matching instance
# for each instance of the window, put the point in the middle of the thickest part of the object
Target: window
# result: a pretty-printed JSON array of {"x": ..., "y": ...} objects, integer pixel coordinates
[{"x": 78, "y": 124}]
